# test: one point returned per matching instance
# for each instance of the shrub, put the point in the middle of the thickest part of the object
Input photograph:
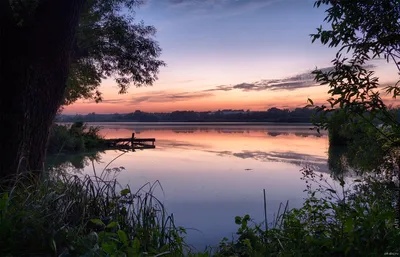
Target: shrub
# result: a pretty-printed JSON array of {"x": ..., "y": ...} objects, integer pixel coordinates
[
  {"x": 360, "y": 221},
  {"x": 74, "y": 138}
]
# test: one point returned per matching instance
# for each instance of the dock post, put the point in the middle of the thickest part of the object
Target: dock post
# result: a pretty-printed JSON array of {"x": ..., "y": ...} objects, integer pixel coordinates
[{"x": 133, "y": 141}]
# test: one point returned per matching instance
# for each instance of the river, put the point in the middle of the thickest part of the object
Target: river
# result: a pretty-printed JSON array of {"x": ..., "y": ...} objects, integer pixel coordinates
[{"x": 212, "y": 172}]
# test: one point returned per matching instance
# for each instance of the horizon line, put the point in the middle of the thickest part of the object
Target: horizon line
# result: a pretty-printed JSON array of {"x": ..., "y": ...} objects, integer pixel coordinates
[{"x": 244, "y": 110}]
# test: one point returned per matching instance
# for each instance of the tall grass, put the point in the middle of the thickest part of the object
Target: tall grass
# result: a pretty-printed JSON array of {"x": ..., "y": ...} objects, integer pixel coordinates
[{"x": 70, "y": 215}]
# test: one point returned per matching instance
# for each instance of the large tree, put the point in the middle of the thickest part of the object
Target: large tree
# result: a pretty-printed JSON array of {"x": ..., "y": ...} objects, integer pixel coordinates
[{"x": 54, "y": 52}]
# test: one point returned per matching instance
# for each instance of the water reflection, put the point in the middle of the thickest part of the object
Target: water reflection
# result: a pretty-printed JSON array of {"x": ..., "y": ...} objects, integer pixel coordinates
[
  {"x": 73, "y": 162},
  {"x": 301, "y": 160},
  {"x": 211, "y": 173}
]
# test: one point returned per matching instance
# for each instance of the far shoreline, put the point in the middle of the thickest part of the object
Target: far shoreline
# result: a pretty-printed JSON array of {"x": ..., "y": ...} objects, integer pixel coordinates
[{"x": 188, "y": 123}]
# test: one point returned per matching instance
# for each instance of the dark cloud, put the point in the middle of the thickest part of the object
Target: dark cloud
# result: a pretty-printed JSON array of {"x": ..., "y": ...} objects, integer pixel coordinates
[
  {"x": 267, "y": 85},
  {"x": 293, "y": 85},
  {"x": 113, "y": 101},
  {"x": 160, "y": 97},
  {"x": 219, "y": 88},
  {"x": 246, "y": 87},
  {"x": 215, "y": 8},
  {"x": 176, "y": 1},
  {"x": 302, "y": 80},
  {"x": 140, "y": 99},
  {"x": 194, "y": 3},
  {"x": 230, "y": 3}
]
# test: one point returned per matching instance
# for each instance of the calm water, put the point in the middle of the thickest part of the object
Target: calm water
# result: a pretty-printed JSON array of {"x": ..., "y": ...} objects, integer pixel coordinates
[{"x": 211, "y": 173}]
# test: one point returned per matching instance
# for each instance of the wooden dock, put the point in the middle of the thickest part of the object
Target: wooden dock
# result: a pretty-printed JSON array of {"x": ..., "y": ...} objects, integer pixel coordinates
[{"x": 132, "y": 142}]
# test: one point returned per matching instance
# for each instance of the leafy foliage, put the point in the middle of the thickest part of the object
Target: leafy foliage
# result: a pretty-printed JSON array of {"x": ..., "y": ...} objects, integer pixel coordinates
[
  {"x": 376, "y": 34},
  {"x": 74, "y": 138},
  {"x": 331, "y": 222},
  {"x": 110, "y": 43},
  {"x": 356, "y": 107}
]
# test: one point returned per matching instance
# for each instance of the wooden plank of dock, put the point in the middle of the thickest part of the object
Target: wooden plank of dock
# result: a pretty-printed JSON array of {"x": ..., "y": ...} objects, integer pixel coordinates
[{"x": 133, "y": 141}]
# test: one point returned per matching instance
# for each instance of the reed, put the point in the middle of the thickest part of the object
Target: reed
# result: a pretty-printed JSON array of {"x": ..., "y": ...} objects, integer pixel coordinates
[{"x": 63, "y": 215}]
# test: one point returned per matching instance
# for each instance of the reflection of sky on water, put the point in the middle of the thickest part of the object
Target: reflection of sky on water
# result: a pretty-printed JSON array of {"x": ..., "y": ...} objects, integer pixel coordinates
[{"x": 211, "y": 174}]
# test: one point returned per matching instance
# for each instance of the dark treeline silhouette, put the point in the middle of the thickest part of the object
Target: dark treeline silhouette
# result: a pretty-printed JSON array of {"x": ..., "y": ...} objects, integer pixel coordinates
[{"x": 299, "y": 115}]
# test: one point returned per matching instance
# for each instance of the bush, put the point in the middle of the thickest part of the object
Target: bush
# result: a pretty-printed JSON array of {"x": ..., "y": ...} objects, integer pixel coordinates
[
  {"x": 356, "y": 222},
  {"x": 74, "y": 138}
]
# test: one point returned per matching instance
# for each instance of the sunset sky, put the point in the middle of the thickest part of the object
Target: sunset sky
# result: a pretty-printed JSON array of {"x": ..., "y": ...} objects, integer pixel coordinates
[{"x": 228, "y": 54}]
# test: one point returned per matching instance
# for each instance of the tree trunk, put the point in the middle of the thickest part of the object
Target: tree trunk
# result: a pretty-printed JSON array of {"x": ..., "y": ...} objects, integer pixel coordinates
[{"x": 34, "y": 66}]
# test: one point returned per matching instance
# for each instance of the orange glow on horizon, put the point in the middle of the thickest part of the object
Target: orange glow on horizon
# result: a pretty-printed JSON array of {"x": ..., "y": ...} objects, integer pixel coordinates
[
  {"x": 170, "y": 94},
  {"x": 254, "y": 101}
]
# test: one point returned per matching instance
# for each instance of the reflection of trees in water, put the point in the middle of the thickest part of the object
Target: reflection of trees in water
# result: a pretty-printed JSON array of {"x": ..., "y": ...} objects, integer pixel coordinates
[
  {"x": 226, "y": 131},
  {"x": 340, "y": 160},
  {"x": 186, "y": 131},
  {"x": 275, "y": 134},
  {"x": 219, "y": 131},
  {"x": 299, "y": 159},
  {"x": 337, "y": 160},
  {"x": 360, "y": 158},
  {"x": 232, "y": 130},
  {"x": 72, "y": 162},
  {"x": 301, "y": 134},
  {"x": 77, "y": 162}
]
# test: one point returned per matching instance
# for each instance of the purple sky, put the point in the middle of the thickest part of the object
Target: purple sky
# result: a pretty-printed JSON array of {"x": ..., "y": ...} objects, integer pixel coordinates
[{"x": 239, "y": 54}]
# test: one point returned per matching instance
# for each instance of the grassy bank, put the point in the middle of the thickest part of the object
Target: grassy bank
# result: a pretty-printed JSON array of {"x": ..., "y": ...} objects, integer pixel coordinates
[{"x": 94, "y": 216}]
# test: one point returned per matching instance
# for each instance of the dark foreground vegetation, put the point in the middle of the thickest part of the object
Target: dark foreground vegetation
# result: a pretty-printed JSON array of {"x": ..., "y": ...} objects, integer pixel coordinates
[{"x": 77, "y": 137}]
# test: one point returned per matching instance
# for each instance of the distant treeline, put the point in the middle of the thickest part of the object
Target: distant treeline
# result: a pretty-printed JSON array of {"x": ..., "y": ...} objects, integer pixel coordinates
[{"x": 299, "y": 115}]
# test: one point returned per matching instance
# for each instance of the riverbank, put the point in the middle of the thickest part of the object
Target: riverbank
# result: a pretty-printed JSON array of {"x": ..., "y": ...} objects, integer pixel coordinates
[{"x": 66, "y": 215}]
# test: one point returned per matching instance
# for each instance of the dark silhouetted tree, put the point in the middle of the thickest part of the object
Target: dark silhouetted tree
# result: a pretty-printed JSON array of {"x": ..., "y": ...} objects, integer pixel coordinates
[
  {"x": 360, "y": 38},
  {"x": 47, "y": 45}
]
